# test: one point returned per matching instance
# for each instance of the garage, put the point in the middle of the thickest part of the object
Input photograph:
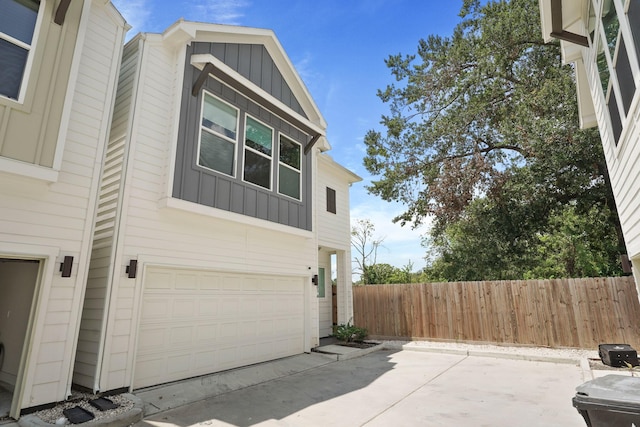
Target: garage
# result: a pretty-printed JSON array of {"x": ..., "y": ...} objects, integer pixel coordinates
[{"x": 195, "y": 322}]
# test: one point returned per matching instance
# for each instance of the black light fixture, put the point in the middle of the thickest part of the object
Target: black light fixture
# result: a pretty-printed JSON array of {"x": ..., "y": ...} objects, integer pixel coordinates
[
  {"x": 315, "y": 280},
  {"x": 132, "y": 269},
  {"x": 66, "y": 265}
]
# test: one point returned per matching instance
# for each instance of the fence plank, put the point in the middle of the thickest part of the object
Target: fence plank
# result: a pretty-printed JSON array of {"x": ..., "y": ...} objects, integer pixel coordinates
[{"x": 579, "y": 313}]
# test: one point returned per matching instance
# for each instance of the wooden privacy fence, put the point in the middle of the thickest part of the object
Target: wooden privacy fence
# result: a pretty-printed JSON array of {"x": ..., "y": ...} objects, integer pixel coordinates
[{"x": 580, "y": 313}]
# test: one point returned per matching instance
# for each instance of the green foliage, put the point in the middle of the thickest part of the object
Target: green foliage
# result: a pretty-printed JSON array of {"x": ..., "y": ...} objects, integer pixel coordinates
[
  {"x": 487, "y": 245},
  {"x": 349, "y": 333},
  {"x": 483, "y": 136}
]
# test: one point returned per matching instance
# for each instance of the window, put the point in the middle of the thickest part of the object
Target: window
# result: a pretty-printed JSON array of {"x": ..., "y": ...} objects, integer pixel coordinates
[
  {"x": 331, "y": 200},
  {"x": 614, "y": 67},
  {"x": 289, "y": 168},
  {"x": 17, "y": 26},
  {"x": 218, "y": 135},
  {"x": 321, "y": 291},
  {"x": 258, "y": 153}
]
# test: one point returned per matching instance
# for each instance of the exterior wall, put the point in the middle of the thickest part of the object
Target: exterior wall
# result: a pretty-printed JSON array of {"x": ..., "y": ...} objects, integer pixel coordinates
[
  {"x": 46, "y": 221},
  {"x": 253, "y": 62},
  {"x": 160, "y": 231},
  {"x": 197, "y": 184},
  {"x": 92, "y": 326},
  {"x": 29, "y": 131},
  {"x": 334, "y": 230}
]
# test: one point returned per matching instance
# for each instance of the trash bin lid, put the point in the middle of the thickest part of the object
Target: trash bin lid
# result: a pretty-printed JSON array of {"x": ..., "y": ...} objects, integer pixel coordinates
[{"x": 616, "y": 388}]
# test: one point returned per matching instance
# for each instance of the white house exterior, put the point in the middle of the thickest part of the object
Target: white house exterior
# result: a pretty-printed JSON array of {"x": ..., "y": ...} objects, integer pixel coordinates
[
  {"x": 334, "y": 243},
  {"x": 601, "y": 38},
  {"x": 59, "y": 63},
  {"x": 206, "y": 241}
]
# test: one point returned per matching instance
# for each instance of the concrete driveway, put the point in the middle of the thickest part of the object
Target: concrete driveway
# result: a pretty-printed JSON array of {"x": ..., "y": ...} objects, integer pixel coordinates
[{"x": 398, "y": 388}]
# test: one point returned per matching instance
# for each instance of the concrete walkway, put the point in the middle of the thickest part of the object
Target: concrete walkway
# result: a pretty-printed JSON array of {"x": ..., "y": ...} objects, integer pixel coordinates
[{"x": 384, "y": 388}]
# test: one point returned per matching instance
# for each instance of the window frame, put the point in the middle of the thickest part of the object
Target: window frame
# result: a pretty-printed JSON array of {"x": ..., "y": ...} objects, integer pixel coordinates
[
  {"x": 613, "y": 87},
  {"x": 332, "y": 205},
  {"x": 245, "y": 147},
  {"x": 286, "y": 165},
  {"x": 202, "y": 129},
  {"x": 31, "y": 49}
]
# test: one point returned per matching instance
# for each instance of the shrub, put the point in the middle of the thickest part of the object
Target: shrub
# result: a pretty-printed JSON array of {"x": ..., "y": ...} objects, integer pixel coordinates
[{"x": 349, "y": 332}]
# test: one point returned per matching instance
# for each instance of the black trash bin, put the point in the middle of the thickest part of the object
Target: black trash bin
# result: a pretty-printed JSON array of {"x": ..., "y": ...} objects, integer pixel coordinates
[{"x": 612, "y": 400}]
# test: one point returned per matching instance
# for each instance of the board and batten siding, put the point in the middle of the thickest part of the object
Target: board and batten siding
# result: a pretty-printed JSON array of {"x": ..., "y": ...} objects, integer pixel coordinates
[
  {"x": 200, "y": 185},
  {"x": 188, "y": 236},
  {"x": 29, "y": 131},
  {"x": 59, "y": 216}
]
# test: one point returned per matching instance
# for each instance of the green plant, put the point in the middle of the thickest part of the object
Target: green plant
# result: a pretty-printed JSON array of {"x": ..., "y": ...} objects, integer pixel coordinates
[{"x": 349, "y": 332}]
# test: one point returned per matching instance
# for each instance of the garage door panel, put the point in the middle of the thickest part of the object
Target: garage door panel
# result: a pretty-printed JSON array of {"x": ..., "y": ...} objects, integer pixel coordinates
[{"x": 198, "y": 322}]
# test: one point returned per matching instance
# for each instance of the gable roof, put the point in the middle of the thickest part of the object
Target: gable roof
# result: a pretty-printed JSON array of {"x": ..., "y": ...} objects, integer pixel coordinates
[{"x": 186, "y": 32}]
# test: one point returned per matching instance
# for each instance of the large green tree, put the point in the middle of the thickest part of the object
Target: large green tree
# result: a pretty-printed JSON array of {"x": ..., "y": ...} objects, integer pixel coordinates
[{"x": 483, "y": 125}]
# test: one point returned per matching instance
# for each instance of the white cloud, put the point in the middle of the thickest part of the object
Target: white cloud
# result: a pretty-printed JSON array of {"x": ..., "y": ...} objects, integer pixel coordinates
[
  {"x": 135, "y": 12},
  {"x": 228, "y": 12}
]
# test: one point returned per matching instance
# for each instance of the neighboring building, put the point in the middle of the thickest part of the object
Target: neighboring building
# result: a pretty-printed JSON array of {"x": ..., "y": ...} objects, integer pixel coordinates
[
  {"x": 601, "y": 38},
  {"x": 207, "y": 237},
  {"x": 59, "y": 63}
]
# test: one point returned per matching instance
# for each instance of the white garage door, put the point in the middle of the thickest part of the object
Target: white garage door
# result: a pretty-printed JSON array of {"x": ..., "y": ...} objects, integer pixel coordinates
[{"x": 198, "y": 322}]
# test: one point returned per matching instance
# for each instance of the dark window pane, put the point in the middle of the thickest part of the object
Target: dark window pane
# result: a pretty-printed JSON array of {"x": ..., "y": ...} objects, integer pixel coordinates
[
  {"x": 290, "y": 153},
  {"x": 616, "y": 122},
  {"x": 12, "y": 63},
  {"x": 625, "y": 77},
  {"x": 331, "y": 200},
  {"x": 258, "y": 136},
  {"x": 18, "y": 18},
  {"x": 257, "y": 169},
  {"x": 289, "y": 182},
  {"x": 216, "y": 153},
  {"x": 634, "y": 23}
]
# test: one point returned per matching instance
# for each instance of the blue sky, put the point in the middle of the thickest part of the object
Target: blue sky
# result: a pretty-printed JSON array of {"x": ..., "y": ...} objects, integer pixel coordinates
[{"x": 338, "y": 47}]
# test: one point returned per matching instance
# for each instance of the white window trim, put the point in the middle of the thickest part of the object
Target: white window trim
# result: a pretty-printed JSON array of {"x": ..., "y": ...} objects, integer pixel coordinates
[
  {"x": 226, "y": 138},
  {"x": 245, "y": 147},
  {"x": 31, "y": 48},
  {"x": 289, "y": 167}
]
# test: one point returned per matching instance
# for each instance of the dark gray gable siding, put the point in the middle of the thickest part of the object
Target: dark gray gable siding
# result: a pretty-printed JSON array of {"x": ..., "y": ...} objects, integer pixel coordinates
[
  {"x": 200, "y": 185},
  {"x": 253, "y": 62}
]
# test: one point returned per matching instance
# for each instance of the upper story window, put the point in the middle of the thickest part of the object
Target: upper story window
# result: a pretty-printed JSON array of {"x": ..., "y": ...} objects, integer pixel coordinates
[
  {"x": 258, "y": 151},
  {"x": 289, "y": 176},
  {"x": 613, "y": 61},
  {"x": 218, "y": 135},
  {"x": 17, "y": 26}
]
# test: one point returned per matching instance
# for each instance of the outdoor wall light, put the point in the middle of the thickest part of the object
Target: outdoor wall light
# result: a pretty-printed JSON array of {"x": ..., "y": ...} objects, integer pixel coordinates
[
  {"x": 132, "y": 269},
  {"x": 66, "y": 265},
  {"x": 315, "y": 280}
]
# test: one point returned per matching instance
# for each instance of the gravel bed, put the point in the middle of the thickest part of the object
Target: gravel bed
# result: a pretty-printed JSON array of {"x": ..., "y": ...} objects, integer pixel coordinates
[
  {"x": 571, "y": 353},
  {"x": 55, "y": 416}
]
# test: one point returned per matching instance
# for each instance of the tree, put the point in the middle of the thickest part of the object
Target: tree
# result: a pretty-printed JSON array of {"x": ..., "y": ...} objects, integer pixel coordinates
[
  {"x": 366, "y": 246},
  {"x": 487, "y": 116}
]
